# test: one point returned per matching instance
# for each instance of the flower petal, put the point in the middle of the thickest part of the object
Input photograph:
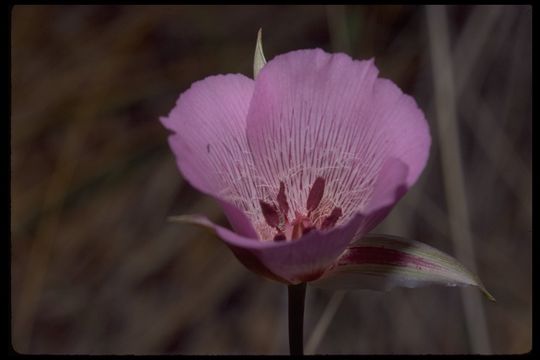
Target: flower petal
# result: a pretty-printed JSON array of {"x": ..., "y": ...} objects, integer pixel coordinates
[
  {"x": 405, "y": 124},
  {"x": 239, "y": 221},
  {"x": 293, "y": 262},
  {"x": 381, "y": 262},
  {"x": 314, "y": 114},
  {"x": 210, "y": 145},
  {"x": 390, "y": 187}
]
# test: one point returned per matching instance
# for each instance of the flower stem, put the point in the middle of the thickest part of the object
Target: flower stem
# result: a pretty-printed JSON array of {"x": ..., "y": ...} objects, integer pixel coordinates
[{"x": 297, "y": 295}]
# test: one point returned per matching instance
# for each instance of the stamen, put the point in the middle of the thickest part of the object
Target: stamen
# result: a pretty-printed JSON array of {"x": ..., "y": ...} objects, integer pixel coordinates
[
  {"x": 315, "y": 194},
  {"x": 275, "y": 213},
  {"x": 270, "y": 214},
  {"x": 297, "y": 230},
  {"x": 282, "y": 200},
  {"x": 331, "y": 219}
]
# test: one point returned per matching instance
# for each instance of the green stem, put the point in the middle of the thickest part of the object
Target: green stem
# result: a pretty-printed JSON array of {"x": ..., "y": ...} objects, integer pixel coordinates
[{"x": 297, "y": 295}]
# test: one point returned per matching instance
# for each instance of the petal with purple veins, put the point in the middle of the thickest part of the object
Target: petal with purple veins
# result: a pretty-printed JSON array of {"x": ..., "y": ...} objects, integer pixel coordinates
[
  {"x": 209, "y": 142},
  {"x": 319, "y": 115}
]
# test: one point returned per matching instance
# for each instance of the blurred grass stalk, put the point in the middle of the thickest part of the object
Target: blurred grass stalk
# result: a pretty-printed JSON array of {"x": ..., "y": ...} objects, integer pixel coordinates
[
  {"x": 338, "y": 28},
  {"x": 488, "y": 133},
  {"x": 323, "y": 323},
  {"x": 37, "y": 265},
  {"x": 445, "y": 103}
]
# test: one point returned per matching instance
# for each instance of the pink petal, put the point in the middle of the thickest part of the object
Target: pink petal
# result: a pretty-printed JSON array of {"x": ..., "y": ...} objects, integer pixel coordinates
[
  {"x": 210, "y": 145},
  {"x": 293, "y": 262},
  {"x": 319, "y": 115},
  {"x": 406, "y": 125},
  {"x": 390, "y": 187},
  {"x": 239, "y": 221}
]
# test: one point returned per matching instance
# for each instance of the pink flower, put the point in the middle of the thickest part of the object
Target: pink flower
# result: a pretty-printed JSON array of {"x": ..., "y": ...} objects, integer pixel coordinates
[{"x": 312, "y": 153}]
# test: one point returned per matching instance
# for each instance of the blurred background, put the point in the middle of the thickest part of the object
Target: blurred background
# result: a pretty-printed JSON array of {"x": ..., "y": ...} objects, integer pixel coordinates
[{"x": 97, "y": 269}]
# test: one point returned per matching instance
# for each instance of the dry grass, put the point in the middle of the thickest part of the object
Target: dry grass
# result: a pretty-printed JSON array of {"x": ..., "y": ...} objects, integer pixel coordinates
[{"x": 97, "y": 269}]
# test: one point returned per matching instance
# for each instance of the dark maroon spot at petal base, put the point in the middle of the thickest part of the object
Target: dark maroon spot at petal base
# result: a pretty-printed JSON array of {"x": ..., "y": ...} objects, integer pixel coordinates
[
  {"x": 307, "y": 230},
  {"x": 270, "y": 213},
  {"x": 280, "y": 237},
  {"x": 331, "y": 219},
  {"x": 315, "y": 194}
]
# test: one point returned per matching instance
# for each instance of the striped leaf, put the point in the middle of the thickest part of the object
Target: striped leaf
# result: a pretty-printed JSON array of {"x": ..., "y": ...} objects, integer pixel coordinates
[{"x": 381, "y": 262}]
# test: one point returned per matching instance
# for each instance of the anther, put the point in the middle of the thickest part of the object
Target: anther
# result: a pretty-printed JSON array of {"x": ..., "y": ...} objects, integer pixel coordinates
[
  {"x": 270, "y": 214},
  {"x": 282, "y": 200},
  {"x": 331, "y": 219},
  {"x": 315, "y": 194}
]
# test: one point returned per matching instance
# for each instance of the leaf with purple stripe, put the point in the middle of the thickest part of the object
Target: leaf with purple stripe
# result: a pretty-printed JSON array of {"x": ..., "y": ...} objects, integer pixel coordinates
[{"x": 382, "y": 262}]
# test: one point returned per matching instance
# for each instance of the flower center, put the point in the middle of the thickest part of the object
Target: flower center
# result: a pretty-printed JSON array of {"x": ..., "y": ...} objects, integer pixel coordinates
[{"x": 275, "y": 214}]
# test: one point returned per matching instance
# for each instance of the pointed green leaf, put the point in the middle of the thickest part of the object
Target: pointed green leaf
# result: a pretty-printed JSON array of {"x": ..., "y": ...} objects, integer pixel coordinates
[
  {"x": 381, "y": 262},
  {"x": 259, "y": 61},
  {"x": 194, "y": 220}
]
